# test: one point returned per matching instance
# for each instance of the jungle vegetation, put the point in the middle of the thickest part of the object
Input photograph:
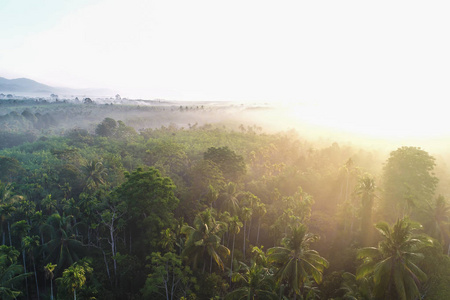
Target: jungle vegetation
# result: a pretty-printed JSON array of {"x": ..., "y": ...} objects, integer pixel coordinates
[{"x": 210, "y": 210}]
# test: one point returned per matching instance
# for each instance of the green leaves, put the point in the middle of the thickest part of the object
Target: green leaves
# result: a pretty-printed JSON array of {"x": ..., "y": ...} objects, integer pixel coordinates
[
  {"x": 295, "y": 261},
  {"x": 204, "y": 237},
  {"x": 392, "y": 266},
  {"x": 408, "y": 180}
]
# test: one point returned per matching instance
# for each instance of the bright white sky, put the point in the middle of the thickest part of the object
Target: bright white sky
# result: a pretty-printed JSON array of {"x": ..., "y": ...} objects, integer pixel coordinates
[{"x": 376, "y": 67}]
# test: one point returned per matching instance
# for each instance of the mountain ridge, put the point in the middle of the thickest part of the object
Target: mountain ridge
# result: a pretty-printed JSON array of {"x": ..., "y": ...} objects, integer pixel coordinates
[{"x": 29, "y": 86}]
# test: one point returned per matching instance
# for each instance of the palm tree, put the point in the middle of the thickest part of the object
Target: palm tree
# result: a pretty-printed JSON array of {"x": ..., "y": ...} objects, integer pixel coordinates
[
  {"x": 74, "y": 277},
  {"x": 49, "y": 268},
  {"x": 257, "y": 282},
  {"x": 7, "y": 201},
  {"x": 392, "y": 266},
  {"x": 30, "y": 245},
  {"x": 228, "y": 199},
  {"x": 211, "y": 195},
  {"x": 436, "y": 220},
  {"x": 366, "y": 190},
  {"x": 204, "y": 238},
  {"x": 296, "y": 262},
  {"x": 355, "y": 289},
  {"x": 94, "y": 172},
  {"x": 21, "y": 228},
  {"x": 63, "y": 247},
  {"x": 234, "y": 227},
  {"x": 245, "y": 214},
  {"x": 10, "y": 272},
  {"x": 6, "y": 211},
  {"x": 260, "y": 211}
]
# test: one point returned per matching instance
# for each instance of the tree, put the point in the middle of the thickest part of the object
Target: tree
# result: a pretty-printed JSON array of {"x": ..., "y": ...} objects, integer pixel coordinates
[
  {"x": 392, "y": 266},
  {"x": 234, "y": 227},
  {"x": 106, "y": 128},
  {"x": 49, "y": 268},
  {"x": 204, "y": 238},
  {"x": 21, "y": 228},
  {"x": 169, "y": 278},
  {"x": 202, "y": 176},
  {"x": 356, "y": 289},
  {"x": 10, "y": 168},
  {"x": 296, "y": 262},
  {"x": 257, "y": 283},
  {"x": 366, "y": 190},
  {"x": 94, "y": 173},
  {"x": 231, "y": 164},
  {"x": 10, "y": 273},
  {"x": 436, "y": 220},
  {"x": 111, "y": 217},
  {"x": 408, "y": 181},
  {"x": 7, "y": 202},
  {"x": 260, "y": 211},
  {"x": 228, "y": 200},
  {"x": 74, "y": 277},
  {"x": 63, "y": 247},
  {"x": 30, "y": 244},
  {"x": 150, "y": 202}
]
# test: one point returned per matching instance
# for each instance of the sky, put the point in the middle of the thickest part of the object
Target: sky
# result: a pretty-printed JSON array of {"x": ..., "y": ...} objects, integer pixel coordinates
[{"x": 376, "y": 67}]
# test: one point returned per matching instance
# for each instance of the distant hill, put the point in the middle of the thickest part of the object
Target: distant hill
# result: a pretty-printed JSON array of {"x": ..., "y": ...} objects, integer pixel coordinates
[
  {"x": 31, "y": 87},
  {"x": 24, "y": 85}
]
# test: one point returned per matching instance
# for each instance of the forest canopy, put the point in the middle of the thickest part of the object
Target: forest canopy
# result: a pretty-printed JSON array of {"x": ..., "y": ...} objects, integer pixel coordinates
[{"x": 112, "y": 202}]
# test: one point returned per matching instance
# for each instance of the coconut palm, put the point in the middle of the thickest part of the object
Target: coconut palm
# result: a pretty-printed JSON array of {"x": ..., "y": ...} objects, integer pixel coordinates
[
  {"x": 63, "y": 247},
  {"x": 21, "y": 228},
  {"x": 203, "y": 238},
  {"x": 355, "y": 289},
  {"x": 436, "y": 220},
  {"x": 94, "y": 172},
  {"x": 392, "y": 266},
  {"x": 257, "y": 283},
  {"x": 7, "y": 207},
  {"x": 228, "y": 198},
  {"x": 10, "y": 273},
  {"x": 296, "y": 262}
]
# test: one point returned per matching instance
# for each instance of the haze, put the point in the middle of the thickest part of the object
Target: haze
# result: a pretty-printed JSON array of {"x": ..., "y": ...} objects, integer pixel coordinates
[{"x": 376, "y": 70}]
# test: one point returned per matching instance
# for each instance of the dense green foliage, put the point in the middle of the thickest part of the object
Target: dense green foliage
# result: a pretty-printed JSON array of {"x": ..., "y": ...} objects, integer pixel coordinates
[{"x": 211, "y": 212}]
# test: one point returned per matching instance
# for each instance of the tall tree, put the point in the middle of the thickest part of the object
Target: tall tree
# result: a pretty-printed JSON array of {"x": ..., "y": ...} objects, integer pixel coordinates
[
  {"x": 234, "y": 227},
  {"x": 408, "y": 181},
  {"x": 49, "y": 268},
  {"x": 256, "y": 283},
  {"x": 436, "y": 220},
  {"x": 169, "y": 278},
  {"x": 94, "y": 173},
  {"x": 204, "y": 239},
  {"x": 228, "y": 200},
  {"x": 63, "y": 247},
  {"x": 392, "y": 265},
  {"x": 231, "y": 164},
  {"x": 74, "y": 277},
  {"x": 150, "y": 202},
  {"x": 11, "y": 273},
  {"x": 106, "y": 128},
  {"x": 295, "y": 262},
  {"x": 8, "y": 203},
  {"x": 366, "y": 190}
]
